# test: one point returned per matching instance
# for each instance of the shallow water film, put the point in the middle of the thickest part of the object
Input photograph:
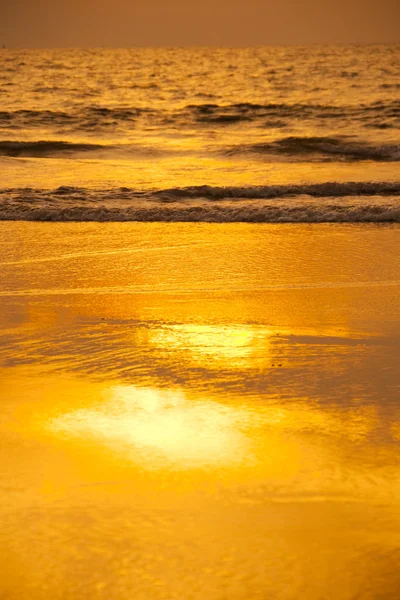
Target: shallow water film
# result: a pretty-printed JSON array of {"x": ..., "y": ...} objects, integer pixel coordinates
[{"x": 195, "y": 411}]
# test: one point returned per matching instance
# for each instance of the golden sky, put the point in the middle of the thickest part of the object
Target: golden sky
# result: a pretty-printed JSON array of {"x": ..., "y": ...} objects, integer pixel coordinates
[{"x": 121, "y": 23}]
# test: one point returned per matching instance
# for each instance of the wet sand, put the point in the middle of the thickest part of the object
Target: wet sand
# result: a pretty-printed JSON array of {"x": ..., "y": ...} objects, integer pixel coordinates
[{"x": 195, "y": 411}]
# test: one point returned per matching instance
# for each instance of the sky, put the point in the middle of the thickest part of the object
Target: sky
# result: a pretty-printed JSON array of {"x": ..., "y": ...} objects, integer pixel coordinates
[{"x": 125, "y": 23}]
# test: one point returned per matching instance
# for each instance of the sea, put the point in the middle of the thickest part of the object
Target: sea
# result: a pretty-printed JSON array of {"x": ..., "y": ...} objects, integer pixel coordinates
[
  {"x": 264, "y": 134},
  {"x": 206, "y": 405}
]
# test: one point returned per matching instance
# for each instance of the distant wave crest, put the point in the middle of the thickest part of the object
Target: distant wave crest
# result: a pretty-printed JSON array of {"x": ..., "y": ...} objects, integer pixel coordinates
[{"x": 276, "y": 115}]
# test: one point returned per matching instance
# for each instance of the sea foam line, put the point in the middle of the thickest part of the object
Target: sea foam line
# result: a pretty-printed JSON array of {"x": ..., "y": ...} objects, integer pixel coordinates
[
  {"x": 241, "y": 212},
  {"x": 307, "y": 203}
]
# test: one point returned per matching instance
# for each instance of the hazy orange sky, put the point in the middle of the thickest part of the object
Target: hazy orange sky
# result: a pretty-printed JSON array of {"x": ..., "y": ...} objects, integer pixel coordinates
[{"x": 120, "y": 23}]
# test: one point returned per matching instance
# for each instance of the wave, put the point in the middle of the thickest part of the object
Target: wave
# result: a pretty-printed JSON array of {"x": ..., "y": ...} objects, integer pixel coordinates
[
  {"x": 215, "y": 214},
  {"x": 79, "y": 120},
  {"x": 27, "y": 116},
  {"x": 280, "y": 115},
  {"x": 324, "y": 146},
  {"x": 321, "y": 190},
  {"x": 313, "y": 203},
  {"x": 248, "y": 111},
  {"x": 43, "y": 148},
  {"x": 299, "y": 148}
]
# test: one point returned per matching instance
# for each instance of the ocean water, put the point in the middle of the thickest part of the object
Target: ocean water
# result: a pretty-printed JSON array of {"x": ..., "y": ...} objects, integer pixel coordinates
[{"x": 296, "y": 134}]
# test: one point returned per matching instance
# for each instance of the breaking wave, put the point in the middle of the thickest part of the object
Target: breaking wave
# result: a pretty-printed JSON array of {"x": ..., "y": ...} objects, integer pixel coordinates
[
  {"x": 295, "y": 148},
  {"x": 322, "y": 190},
  {"x": 64, "y": 149},
  {"x": 43, "y": 148},
  {"x": 328, "y": 147},
  {"x": 312, "y": 203}
]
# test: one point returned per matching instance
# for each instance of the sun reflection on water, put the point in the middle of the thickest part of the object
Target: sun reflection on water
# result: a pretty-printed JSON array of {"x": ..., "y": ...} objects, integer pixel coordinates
[{"x": 222, "y": 343}]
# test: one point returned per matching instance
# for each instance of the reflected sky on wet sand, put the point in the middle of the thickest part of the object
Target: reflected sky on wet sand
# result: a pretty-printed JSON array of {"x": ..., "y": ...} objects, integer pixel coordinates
[{"x": 160, "y": 423}]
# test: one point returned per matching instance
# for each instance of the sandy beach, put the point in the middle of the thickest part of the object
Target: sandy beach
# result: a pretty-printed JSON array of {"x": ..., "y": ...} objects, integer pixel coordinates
[{"x": 195, "y": 411}]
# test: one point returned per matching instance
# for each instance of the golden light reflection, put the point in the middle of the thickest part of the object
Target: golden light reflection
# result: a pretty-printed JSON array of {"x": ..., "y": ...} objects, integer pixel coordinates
[
  {"x": 158, "y": 429},
  {"x": 223, "y": 343},
  {"x": 155, "y": 426},
  {"x": 135, "y": 437}
]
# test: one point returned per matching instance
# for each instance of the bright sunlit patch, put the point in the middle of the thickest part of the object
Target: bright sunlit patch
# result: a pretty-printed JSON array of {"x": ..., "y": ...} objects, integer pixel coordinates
[
  {"x": 216, "y": 342},
  {"x": 153, "y": 425}
]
